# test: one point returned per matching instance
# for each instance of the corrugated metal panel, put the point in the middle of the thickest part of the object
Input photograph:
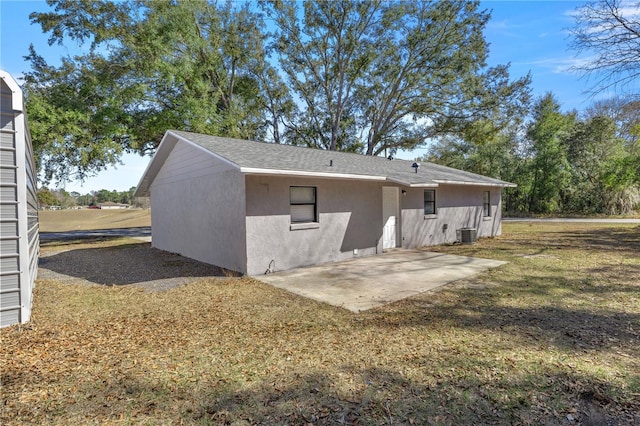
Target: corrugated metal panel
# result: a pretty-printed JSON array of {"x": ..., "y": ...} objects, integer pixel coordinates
[
  {"x": 34, "y": 249},
  {"x": 8, "y": 193},
  {"x": 10, "y": 282},
  {"x": 7, "y": 140},
  {"x": 32, "y": 222},
  {"x": 9, "y": 246},
  {"x": 8, "y": 211},
  {"x": 8, "y": 229},
  {"x": 9, "y": 317},
  {"x": 7, "y": 158},
  {"x": 6, "y": 120},
  {"x": 8, "y": 264},
  {"x": 30, "y": 187},
  {"x": 33, "y": 233},
  {"x": 33, "y": 266},
  {"x": 7, "y": 174},
  {"x": 19, "y": 208},
  {"x": 9, "y": 300}
]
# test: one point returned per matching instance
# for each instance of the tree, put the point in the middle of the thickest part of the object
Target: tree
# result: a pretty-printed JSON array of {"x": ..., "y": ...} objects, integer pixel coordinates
[
  {"x": 375, "y": 75},
  {"x": 148, "y": 66},
  {"x": 503, "y": 156},
  {"x": 46, "y": 197},
  {"x": 550, "y": 168},
  {"x": 323, "y": 58},
  {"x": 600, "y": 176},
  {"x": 610, "y": 31},
  {"x": 625, "y": 112}
]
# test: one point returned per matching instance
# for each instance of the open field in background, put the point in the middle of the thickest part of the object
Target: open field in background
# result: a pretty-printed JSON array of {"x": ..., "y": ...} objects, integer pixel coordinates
[
  {"x": 88, "y": 219},
  {"x": 552, "y": 337}
]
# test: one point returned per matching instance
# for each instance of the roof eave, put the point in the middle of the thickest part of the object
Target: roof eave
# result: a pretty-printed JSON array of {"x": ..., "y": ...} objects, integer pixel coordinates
[
  {"x": 302, "y": 173},
  {"x": 413, "y": 184},
  {"x": 470, "y": 183}
]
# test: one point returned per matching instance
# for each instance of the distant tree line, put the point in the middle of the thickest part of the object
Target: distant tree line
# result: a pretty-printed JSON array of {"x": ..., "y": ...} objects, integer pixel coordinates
[
  {"x": 64, "y": 199},
  {"x": 585, "y": 163}
]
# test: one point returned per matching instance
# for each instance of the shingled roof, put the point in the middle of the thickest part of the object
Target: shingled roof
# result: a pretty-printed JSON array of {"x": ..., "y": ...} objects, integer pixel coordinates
[{"x": 274, "y": 159}]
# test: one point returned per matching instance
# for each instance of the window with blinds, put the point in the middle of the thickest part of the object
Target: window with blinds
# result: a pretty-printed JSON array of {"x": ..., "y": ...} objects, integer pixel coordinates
[
  {"x": 303, "y": 204},
  {"x": 486, "y": 204},
  {"x": 429, "y": 201}
]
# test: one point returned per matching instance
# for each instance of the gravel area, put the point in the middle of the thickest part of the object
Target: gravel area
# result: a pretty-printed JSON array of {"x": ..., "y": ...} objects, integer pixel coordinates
[{"x": 136, "y": 264}]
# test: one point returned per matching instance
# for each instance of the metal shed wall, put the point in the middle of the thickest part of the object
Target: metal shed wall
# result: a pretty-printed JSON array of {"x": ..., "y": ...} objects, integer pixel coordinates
[{"x": 19, "y": 240}]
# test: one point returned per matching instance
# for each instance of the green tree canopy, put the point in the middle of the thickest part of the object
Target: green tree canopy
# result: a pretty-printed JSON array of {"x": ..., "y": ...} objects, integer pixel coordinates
[
  {"x": 550, "y": 168},
  {"x": 363, "y": 76},
  {"x": 375, "y": 75},
  {"x": 148, "y": 66},
  {"x": 602, "y": 172},
  {"x": 561, "y": 162}
]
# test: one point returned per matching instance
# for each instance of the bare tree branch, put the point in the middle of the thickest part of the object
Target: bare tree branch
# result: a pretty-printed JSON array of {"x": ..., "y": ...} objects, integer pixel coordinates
[{"x": 609, "y": 30}]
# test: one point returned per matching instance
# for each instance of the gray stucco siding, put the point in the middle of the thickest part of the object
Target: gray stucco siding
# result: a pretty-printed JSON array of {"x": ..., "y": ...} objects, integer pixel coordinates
[
  {"x": 457, "y": 206},
  {"x": 350, "y": 220},
  {"x": 198, "y": 208},
  {"x": 349, "y": 223}
]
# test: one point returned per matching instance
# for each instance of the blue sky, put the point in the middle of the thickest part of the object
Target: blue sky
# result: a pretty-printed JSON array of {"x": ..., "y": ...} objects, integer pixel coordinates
[{"x": 531, "y": 35}]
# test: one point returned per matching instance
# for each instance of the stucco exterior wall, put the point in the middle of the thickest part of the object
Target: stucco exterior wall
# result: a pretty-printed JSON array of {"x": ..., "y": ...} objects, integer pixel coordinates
[
  {"x": 198, "y": 208},
  {"x": 349, "y": 223},
  {"x": 457, "y": 206},
  {"x": 350, "y": 220}
]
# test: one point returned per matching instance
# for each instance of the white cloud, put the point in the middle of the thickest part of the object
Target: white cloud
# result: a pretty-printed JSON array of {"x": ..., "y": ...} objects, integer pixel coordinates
[
  {"x": 504, "y": 27},
  {"x": 563, "y": 65}
]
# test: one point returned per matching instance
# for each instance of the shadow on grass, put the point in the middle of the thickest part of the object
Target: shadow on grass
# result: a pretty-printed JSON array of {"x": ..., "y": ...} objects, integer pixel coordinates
[
  {"x": 379, "y": 396},
  {"x": 140, "y": 231},
  {"x": 554, "y": 324},
  {"x": 580, "y": 308},
  {"x": 127, "y": 264},
  {"x": 616, "y": 239}
]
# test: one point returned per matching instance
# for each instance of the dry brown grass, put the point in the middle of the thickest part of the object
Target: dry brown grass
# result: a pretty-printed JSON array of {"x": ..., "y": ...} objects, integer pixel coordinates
[
  {"x": 88, "y": 219},
  {"x": 551, "y": 338}
]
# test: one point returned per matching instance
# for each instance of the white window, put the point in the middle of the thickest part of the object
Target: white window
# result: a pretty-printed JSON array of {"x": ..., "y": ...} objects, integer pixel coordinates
[
  {"x": 486, "y": 204},
  {"x": 429, "y": 201},
  {"x": 303, "y": 204}
]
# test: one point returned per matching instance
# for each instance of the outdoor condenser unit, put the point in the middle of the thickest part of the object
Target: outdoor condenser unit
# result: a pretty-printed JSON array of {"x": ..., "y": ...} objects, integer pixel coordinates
[{"x": 468, "y": 235}]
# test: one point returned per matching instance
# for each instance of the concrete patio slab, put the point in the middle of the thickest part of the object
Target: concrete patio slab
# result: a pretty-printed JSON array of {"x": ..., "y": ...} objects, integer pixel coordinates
[{"x": 369, "y": 282}]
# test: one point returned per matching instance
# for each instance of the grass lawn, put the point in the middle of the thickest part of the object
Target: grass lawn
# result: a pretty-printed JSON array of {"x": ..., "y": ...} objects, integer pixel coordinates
[
  {"x": 552, "y": 337},
  {"x": 88, "y": 219}
]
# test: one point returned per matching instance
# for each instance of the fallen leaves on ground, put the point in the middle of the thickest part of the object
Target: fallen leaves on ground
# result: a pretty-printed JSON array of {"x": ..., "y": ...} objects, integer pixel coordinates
[{"x": 547, "y": 339}]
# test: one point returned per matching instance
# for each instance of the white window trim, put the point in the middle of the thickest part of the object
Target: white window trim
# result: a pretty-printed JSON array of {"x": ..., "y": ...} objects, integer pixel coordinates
[
  {"x": 486, "y": 216},
  {"x": 306, "y": 224},
  {"x": 433, "y": 215}
]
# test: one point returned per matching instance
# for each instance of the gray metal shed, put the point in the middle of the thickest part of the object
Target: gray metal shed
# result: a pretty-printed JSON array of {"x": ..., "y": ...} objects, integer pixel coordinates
[{"x": 19, "y": 241}]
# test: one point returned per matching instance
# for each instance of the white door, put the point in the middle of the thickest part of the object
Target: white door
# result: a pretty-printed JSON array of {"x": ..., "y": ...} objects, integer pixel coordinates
[{"x": 390, "y": 213}]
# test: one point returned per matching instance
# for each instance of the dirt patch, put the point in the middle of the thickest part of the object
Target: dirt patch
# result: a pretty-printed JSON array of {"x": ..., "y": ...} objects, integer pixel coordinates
[{"x": 118, "y": 263}]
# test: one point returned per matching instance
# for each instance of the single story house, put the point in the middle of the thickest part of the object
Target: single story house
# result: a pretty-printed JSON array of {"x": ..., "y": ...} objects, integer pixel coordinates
[
  {"x": 258, "y": 207},
  {"x": 19, "y": 240}
]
